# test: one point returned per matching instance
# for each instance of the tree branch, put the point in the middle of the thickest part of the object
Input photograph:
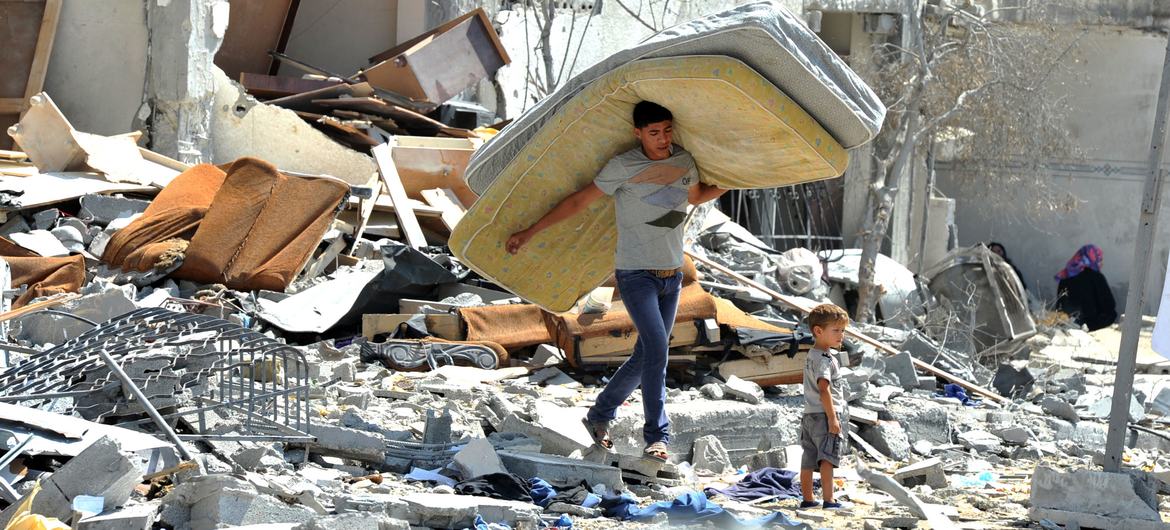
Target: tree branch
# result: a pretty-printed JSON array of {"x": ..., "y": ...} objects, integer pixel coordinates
[{"x": 636, "y": 16}]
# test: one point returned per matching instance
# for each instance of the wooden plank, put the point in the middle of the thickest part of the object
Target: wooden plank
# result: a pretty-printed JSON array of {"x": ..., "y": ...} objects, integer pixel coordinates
[
  {"x": 384, "y": 204},
  {"x": 37, "y": 306},
  {"x": 412, "y": 306},
  {"x": 318, "y": 264},
  {"x": 257, "y": 28},
  {"x": 366, "y": 209},
  {"x": 863, "y": 416},
  {"x": 304, "y": 100},
  {"x": 407, "y": 222},
  {"x": 48, "y": 33},
  {"x": 447, "y": 326},
  {"x": 273, "y": 86},
  {"x": 684, "y": 334},
  {"x": 805, "y": 305},
  {"x": 445, "y": 199},
  {"x": 11, "y": 105},
  {"x": 12, "y": 155},
  {"x": 772, "y": 367}
]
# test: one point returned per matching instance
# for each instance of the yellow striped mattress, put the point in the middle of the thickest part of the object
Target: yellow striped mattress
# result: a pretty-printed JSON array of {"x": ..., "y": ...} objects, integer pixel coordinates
[{"x": 742, "y": 131}]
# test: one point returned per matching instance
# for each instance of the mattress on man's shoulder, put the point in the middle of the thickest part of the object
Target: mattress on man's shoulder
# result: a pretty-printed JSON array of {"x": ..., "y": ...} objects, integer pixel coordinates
[
  {"x": 741, "y": 130},
  {"x": 765, "y": 36}
]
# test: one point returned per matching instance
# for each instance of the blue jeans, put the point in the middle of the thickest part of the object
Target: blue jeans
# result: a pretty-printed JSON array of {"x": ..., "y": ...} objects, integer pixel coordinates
[{"x": 651, "y": 302}]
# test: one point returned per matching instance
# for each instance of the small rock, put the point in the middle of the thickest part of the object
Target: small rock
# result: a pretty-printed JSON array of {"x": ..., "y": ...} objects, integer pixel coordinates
[
  {"x": 744, "y": 390},
  {"x": 712, "y": 391},
  {"x": 1013, "y": 435},
  {"x": 1059, "y": 408},
  {"x": 981, "y": 441},
  {"x": 710, "y": 456}
]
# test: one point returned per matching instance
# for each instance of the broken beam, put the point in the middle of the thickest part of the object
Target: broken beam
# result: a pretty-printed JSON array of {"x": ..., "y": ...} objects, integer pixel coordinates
[
  {"x": 805, "y": 305},
  {"x": 407, "y": 222}
]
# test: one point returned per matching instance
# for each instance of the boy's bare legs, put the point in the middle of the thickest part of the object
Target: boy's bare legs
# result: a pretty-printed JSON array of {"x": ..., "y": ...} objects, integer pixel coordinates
[
  {"x": 806, "y": 483},
  {"x": 826, "y": 482}
]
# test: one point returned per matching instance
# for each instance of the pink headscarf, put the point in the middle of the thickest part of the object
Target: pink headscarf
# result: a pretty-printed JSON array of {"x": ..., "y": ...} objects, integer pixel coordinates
[{"x": 1086, "y": 257}]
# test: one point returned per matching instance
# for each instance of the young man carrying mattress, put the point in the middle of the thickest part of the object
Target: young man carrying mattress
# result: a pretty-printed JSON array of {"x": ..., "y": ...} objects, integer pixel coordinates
[{"x": 651, "y": 186}]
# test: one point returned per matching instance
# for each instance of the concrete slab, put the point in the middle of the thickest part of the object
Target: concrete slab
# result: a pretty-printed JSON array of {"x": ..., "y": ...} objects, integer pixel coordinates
[
  {"x": 1108, "y": 495},
  {"x": 929, "y": 472},
  {"x": 901, "y": 367},
  {"x": 348, "y": 443},
  {"x": 478, "y": 458},
  {"x": 744, "y": 390},
  {"x": 133, "y": 517},
  {"x": 888, "y": 437},
  {"x": 440, "y": 510},
  {"x": 561, "y": 471},
  {"x": 709, "y": 455}
]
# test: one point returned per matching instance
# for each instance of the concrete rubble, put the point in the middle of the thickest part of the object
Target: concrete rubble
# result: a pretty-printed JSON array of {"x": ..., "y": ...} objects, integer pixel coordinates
[{"x": 384, "y": 385}]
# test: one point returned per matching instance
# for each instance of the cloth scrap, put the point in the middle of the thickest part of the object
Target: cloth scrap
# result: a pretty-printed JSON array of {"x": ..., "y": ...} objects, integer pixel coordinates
[
  {"x": 503, "y": 486},
  {"x": 765, "y": 482},
  {"x": 691, "y": 507}
]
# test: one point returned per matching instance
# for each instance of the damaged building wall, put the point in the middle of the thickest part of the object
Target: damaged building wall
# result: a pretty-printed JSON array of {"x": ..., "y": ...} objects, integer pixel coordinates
[
  {"x": 1113, "y": 90},
  {"x": 100, "y": 91}
]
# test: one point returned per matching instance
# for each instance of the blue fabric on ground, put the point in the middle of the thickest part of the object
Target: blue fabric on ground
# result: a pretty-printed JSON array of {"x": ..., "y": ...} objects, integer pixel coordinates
[
  {"x": 480, "y": 524},
  {"x": 591, "y": 500},
  {"x": 689, "y": 507},
  {"x": 761, "y": 483},
  {"x": 542, "y": 492},
  {"x": 562, "y": 522},
  {"x": 957, "y": 392}
]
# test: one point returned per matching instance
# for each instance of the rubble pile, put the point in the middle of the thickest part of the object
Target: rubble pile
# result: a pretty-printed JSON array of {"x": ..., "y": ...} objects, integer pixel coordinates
[{"x": 220, "y": 346}]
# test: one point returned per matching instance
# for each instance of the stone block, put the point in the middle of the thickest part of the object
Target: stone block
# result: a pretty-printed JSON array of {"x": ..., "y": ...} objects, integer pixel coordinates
[
  {"x": 744, "y": 390},
  {"x": 132, "y": 517},
  {"x": 981, "y": 441},
  {"x": 216, "y": 501},
  {"x": 478, "y": 458},
  {"x": 354, "y": 521},
  {"x": 1012, "y": 381},
  {"x": 901, "y": 368},
  {"x": 439, "y": 510},
  {"x": 929, "y": 472},
  {"x": 370, "y": 503},
  {"x": 715, "y": 391},
  {"x": 1094, "y": 497},
  {"x": 102, "y": 209},
  {"x": 348, "y": 443},
  {"x": 1012, "y": 434},
  {"x": 560, "y": 471},
  {"x": 1059, "y": 408},
  {"x": 548, "y": 355},
  {"x": 101, "y": 470},
  {"x": 777, "y": 458},
  {"x": 709, "y": 455},
  {"x": 741, "y": 427},
  {"x": 887, "y": 437}
]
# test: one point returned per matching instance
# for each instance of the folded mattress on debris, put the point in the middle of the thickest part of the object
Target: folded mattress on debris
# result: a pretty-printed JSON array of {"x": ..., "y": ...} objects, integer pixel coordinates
[
  {"x": 743, "y": 128},
  {"x": 763, "y": 35}
]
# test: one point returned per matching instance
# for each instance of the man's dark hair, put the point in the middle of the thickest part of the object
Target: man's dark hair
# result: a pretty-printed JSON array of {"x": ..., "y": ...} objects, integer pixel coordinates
[{"x": 647, "y": 112}]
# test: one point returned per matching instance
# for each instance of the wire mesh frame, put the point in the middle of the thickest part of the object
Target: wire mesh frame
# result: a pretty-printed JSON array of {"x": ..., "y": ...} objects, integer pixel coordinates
[
  {"x": 803, "y": 215},
  {"x": 224, "y": 365}
]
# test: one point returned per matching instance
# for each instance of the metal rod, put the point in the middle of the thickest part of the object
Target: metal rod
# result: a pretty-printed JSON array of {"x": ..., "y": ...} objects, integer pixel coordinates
[
  {"x": 1136, "y": 299},
  {"x": 142, "y": 400}
]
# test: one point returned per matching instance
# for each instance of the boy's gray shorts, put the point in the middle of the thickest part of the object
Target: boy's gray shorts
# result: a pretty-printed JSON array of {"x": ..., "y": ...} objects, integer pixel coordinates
[{"x": 817, "y": 443}]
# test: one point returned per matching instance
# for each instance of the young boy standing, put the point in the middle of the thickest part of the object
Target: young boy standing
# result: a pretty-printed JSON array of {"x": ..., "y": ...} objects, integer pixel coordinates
[
  {"x": 651, "y": 185},
  {"x": 821, "y": 434}
]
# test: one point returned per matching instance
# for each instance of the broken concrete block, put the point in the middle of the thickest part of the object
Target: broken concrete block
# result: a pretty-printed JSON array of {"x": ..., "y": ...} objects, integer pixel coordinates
[
  {"x": 777, "y": 458},
  {"x": 1013, "y": 381},
  {"x": 390, "y": 505},
  {"x": 1059, "y": 408},
  {"x": 102, "y": 209},
  {"x": 1012, "y": 434},
  {"x": 348, "y": 443},
  {"x": 1094, "y": 499},
  {"x": 1100, "y": 409},
  {"x": 101, "y": 470},
  {"x": 929, "y": 472},
  {"x": 712, "y": 390},
  {"x": 132, "y": 517},
  {"x": 548, "y": 355},
  {"x": 458, "y": 511},
  {"x": 46, "y": 219},
  {"x": 710, "y": 456},
  {"x": 744, "y": 390},
  {"x": 478, "y": 458},
  {"x": 354, "y": 521},
  {"x": 901, "y": 368},
  {"x": 981, "y": 441},
  {"x": 216, "y": 501},
  {"x": 560, "y": 471},
  {"x": 564, "y": 432},
  {"x": 14, "y": 225},
  {"x": 887, "y": 437}
]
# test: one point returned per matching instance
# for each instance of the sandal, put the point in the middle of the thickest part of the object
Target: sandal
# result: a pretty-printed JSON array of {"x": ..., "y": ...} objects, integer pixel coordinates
[
  {"x": 656, "y": 451},
  {"x": 599, "y": 431}
]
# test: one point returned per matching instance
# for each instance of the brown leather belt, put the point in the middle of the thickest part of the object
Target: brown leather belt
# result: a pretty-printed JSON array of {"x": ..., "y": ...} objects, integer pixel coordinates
[{"x": 664, "y": 273}]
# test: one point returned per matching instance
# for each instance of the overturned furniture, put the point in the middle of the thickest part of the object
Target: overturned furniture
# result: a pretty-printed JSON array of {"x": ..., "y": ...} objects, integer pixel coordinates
[
  {"x": 984, "y": 291},
  {"x": 222, "y": 380}
]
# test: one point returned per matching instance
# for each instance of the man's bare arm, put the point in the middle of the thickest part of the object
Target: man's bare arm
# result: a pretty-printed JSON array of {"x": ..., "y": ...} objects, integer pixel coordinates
[
  {"x": 568, "y": 207},
  {"x": 701, "y": 193}
]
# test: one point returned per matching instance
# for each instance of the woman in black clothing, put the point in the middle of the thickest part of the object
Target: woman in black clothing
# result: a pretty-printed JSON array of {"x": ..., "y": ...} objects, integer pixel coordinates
[
  {"x": 1083, "y": 292},
  {"x": 1002, "y": 252}
]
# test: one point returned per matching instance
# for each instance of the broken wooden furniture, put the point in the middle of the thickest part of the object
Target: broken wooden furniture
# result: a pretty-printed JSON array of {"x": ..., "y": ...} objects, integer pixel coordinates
[{"x": 26, "y": 36}]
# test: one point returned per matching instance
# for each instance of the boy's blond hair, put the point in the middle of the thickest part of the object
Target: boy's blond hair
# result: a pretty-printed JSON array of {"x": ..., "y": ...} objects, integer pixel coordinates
[{"x": 826, "y": 314}]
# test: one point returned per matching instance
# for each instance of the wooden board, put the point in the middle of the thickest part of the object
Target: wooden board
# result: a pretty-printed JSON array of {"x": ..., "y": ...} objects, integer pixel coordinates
[
  {"x": 255, "y": 28},
  {"x": 423, "y": 167},
  {"x": 406, "y": 219},
  {"x": 445, "y": 199},
  {"x": 304, "y": 100},
  {"x": 273, "y": 86},
  {"x": 684, "y": 334},
  {"x": 27, "y": 31},
  {"x": 412, "y": 306},
  {"x": 449, "y": 326},
  {"x": 767, "y": 371}
]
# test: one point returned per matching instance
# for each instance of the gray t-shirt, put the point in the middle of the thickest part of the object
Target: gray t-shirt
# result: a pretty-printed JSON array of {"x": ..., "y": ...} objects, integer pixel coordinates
[
  {"x": 823, "y": 364},
  {"x": 651, "y": 203}
]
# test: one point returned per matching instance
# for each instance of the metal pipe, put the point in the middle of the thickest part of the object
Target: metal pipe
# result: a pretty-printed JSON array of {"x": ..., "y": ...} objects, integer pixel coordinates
[
  {"x": 1131, "y": 324},
  {"x": 149, "y": 408}
]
